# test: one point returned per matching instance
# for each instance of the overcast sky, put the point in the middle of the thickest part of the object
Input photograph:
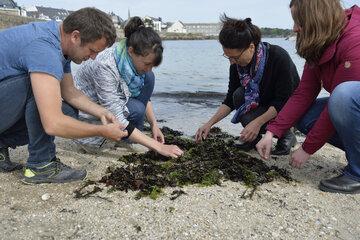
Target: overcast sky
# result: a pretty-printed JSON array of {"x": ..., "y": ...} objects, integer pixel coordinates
[{"x": 264, "y": 13}]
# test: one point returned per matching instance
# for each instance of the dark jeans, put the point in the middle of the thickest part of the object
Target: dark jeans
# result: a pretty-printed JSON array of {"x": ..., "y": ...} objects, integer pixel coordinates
[
  {"x": 344, "y": 110},
  {"x": 238, "y": 100},
  {"x": 20, "y": 122},
  {"x": 137, "y": 105}
]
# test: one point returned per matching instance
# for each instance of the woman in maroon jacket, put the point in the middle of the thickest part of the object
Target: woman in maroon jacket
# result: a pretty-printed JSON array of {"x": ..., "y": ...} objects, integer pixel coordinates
[{"x": 328, "y": 37}]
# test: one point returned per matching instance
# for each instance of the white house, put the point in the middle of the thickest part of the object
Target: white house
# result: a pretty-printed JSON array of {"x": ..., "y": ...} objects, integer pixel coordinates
[
  {"x": 118, "y": 21},
  {"x": 177, "y": 27},
  {"x": 46, "y": 13},
  {"x": 10, "y": 7},
  {"x": 155, "y": 23}
]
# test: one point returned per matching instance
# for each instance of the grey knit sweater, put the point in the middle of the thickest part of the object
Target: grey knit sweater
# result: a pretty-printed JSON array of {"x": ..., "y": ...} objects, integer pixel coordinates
[{"x": 100, "y": 80}]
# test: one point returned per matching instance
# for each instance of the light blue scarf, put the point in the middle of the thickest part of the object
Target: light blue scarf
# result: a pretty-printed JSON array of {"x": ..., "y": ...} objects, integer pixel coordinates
[{"x": 127, "y": 70}]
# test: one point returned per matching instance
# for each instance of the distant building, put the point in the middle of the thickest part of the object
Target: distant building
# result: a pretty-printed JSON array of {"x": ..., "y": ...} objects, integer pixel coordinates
[
  {"x": 155, "y": 23},
  {"x": 177, "y": 27},
  {"x": 46, "y": 13},
  {"x": 118, "y": 21},
  {"x": 10, "y": 7},
  {"x": 208, "y": 29}
]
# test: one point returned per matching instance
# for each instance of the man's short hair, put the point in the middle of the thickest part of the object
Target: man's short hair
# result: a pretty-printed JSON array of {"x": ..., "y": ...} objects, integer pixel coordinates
[{"x": 92, "y": 24}]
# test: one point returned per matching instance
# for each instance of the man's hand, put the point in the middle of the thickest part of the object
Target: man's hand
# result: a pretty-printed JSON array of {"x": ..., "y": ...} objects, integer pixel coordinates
[
  {"x": 299, "y": 157},
  {"x": 264, "y": 145},
  {"x": 202, "y": 132},
  {"x": 157, "y": 134},
  {"x": 113, "y": 131},
  {"x": 250, "y": 132}
]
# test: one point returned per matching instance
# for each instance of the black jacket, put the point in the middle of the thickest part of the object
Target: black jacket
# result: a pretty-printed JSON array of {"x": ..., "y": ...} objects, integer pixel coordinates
[{"x": 279, "y": 80}]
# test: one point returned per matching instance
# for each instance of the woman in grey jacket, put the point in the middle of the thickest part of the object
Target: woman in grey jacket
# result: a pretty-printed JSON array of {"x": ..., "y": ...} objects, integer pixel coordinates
[{"x": 121, "y": 80}]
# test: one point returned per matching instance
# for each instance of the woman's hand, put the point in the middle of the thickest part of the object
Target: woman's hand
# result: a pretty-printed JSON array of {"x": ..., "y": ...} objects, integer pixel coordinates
[
  {"x": 264, "y": 145},
  {"x": 299, "y": 157},
  {"x": 157, "y": 134},
  {"x": 251, "y": 131},
  {"x": 170, "y": 151},
  {"x": 202, "y": 132}
]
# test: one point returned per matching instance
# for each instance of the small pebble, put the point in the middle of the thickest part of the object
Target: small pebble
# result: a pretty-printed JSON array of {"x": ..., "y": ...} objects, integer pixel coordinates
[{"x": 45, "y": 197}]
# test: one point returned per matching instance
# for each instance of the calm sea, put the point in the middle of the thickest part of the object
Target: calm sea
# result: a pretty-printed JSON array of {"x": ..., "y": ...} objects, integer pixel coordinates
[{"x": 192, "y": 81}]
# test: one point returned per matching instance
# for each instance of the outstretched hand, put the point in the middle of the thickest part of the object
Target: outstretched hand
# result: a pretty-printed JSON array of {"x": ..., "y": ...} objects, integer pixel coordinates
[
  {"x": 202, "y": 132},
  {"x": 264, "y": 145},
  {"x": 250, "y": 132},
  {"x": 299, "y": 157},
  {"x": 170, "y": 151}
]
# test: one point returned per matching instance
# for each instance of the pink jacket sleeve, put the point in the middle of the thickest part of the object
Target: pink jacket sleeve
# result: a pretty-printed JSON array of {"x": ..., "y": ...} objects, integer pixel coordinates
[{"x": 298, "y": 103}]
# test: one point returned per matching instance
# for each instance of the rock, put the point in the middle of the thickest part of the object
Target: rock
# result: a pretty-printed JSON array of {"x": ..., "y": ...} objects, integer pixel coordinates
[{"x": 45, "y": 197}]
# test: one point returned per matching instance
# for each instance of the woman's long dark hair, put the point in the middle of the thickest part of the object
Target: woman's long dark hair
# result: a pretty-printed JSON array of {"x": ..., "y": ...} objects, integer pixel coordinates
[
  {"x": 238, "y": 33},
  {"x": 143, "y": 40}
]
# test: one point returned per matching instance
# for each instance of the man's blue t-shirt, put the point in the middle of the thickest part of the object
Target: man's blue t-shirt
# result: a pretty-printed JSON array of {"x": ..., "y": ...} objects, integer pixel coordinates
[{"x": 33, "y": 47}]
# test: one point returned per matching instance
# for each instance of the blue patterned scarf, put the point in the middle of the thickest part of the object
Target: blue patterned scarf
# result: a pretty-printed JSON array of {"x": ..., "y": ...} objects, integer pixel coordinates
[
  {"x": 250, "y": 80},
  {"x": 127, "y": 69}
]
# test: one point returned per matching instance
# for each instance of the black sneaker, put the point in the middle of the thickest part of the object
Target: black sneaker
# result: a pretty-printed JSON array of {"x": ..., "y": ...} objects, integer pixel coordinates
[
  {"x": 53, "y": 172},
  {"x": 5, "y": 164},
  {"x": 247, "y": 146},
  {"x": 284, "y": 144}
]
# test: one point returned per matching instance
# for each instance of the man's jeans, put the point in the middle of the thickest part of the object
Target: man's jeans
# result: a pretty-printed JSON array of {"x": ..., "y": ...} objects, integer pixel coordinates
[
  {"x": 137, "y": 105},
  {"x": 344, "y": 110},
  {"x": 20, "y": 122}
]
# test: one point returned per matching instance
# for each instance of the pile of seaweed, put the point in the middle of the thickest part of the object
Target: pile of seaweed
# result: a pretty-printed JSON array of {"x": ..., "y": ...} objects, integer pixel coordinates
[{"x": 210, "y": 162}]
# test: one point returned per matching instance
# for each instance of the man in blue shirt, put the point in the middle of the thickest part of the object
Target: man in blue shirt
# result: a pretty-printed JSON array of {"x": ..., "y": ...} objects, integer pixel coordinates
[{"x": 38, "y": 99}]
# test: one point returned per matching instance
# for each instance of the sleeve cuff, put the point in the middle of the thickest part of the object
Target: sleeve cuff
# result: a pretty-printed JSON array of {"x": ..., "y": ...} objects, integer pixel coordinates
[
  {"x": 276, "y": 133},
  {"x": 308, "y": 148},
  {"x": 130, "y": 128}
]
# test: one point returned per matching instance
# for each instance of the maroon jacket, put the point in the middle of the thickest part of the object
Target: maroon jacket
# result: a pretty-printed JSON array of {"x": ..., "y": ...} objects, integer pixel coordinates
[{"x": 339, "y": 63}]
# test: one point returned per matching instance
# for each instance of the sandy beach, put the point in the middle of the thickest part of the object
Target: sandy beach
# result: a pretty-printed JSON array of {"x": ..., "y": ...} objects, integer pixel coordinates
[{"x": 278, "y": 210}]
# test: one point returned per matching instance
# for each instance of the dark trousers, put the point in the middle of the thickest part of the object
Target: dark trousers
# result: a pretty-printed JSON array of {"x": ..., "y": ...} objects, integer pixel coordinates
[{"x": 238, "y": 100}]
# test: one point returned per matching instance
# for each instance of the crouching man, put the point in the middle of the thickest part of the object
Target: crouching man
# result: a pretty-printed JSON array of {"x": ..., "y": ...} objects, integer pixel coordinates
[{"x": 38, "y": 99}]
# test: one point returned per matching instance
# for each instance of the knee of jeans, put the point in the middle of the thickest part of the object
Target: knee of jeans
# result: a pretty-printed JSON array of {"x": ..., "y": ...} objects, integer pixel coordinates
[
  {"x": 70, "y": 111},
  {"x": 301, "y": 127},
  {"x": 341, "y": 102},
  {"x": 341, "y": 98},
  {"x": 137, "y": 112},
  {"x": 150, "y": 79}
]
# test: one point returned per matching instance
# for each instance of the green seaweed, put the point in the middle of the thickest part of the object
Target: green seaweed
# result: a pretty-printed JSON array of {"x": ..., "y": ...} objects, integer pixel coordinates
[{"x": 208, "y": 163}]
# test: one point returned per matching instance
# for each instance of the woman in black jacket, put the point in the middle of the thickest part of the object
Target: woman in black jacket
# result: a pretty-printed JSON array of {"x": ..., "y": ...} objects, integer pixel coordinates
[{"x": 262, "y": 78}]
